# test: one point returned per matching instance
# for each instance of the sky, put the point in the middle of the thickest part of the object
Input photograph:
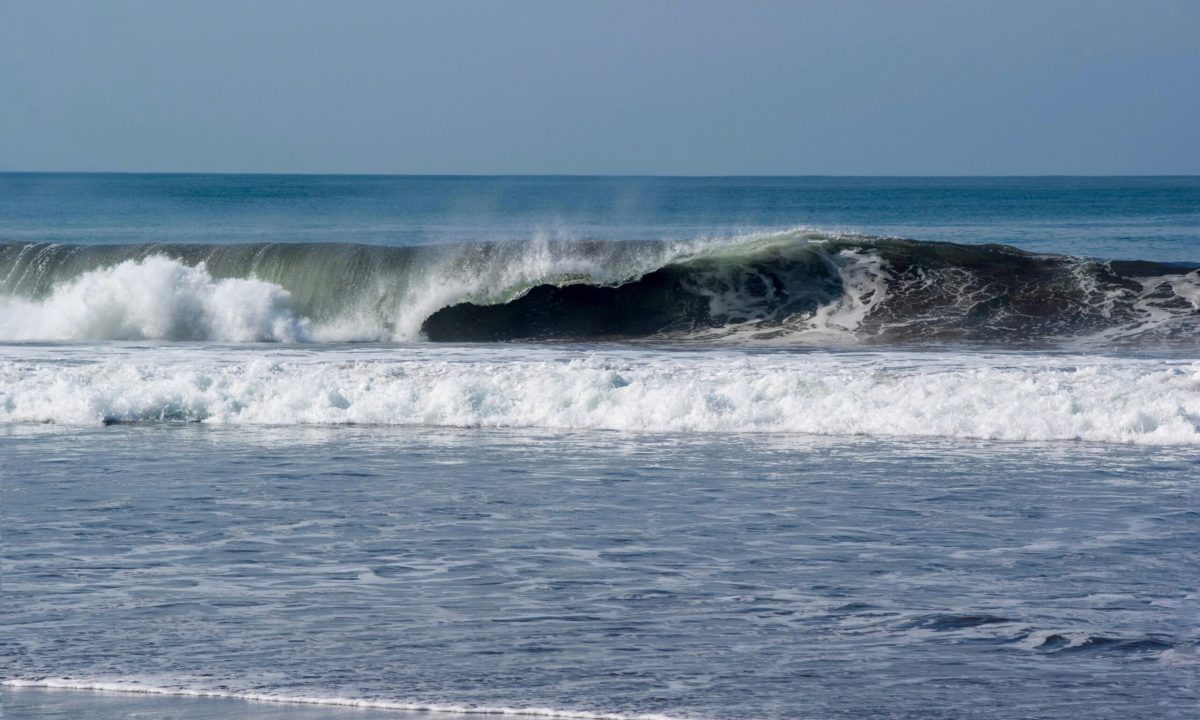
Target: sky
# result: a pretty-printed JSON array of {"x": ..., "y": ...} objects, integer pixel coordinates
[{"x": 749, "y": 87}]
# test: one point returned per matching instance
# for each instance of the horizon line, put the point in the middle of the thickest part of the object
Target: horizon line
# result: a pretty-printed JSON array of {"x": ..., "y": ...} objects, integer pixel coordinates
[{"x": 593, "y": 175}]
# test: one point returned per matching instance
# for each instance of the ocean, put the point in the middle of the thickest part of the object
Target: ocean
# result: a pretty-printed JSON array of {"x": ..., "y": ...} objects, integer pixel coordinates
[{"x": 609, "y": 448}]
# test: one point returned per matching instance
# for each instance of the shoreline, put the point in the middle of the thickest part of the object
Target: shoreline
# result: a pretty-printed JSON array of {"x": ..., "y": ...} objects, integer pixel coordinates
[{"x": 68, "y": 698}]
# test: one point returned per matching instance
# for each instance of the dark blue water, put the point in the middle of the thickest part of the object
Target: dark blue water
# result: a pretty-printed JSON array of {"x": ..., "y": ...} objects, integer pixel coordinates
[
  {"x": 1144, "y": 218},
  {"x": 619, "y": 447}
]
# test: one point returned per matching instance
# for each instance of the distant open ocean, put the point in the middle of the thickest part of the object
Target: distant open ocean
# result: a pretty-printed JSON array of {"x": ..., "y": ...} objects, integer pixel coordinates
[{"x": 599, "y": 447}]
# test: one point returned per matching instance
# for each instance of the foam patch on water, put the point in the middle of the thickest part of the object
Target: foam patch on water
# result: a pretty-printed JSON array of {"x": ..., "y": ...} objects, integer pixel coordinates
[
  {"x": 993, "y": 396},
  {"x": 131, "y": 687}
]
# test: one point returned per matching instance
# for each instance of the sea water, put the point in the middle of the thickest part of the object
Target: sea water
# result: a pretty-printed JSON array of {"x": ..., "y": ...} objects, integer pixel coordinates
[{"x": 695, "y": 448}]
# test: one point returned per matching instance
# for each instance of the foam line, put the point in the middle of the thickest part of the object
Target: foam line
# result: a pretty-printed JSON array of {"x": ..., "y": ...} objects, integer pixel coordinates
[
  {"x": 989, "y": 396},
  {"x": 137, "y": 688}
]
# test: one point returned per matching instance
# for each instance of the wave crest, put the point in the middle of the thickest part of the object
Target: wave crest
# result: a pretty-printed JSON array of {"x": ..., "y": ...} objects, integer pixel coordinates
[
  {"x": 798, "y": 287},
  {"x": 156, "y": 298}
]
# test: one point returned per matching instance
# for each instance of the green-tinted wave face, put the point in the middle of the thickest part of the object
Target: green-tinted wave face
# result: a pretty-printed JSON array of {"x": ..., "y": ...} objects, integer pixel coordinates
[
  {"x": 799, "y": 287},
  {"x": 354, "y": 292}
]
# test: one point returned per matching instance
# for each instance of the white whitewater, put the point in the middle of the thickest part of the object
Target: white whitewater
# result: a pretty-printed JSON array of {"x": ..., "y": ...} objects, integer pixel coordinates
[
  {"x": 1003, "y": 396},
  {"x": 156, "y": 298}
]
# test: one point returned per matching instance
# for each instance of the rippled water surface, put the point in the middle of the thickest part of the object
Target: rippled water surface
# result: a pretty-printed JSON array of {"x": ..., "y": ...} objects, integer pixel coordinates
[{"x": 707, "y": 575}]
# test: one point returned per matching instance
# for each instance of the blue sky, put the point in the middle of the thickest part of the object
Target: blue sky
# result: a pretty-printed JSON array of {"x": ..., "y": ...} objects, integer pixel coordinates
[{"x": 657, "y": 87}]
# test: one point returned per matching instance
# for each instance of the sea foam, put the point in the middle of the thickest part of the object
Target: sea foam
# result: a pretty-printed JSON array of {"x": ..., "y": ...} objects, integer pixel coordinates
[
  {"x": 137, "y": 688},
  {"x": 941, "y": 394},
  {"x": 155, "y": 298}
]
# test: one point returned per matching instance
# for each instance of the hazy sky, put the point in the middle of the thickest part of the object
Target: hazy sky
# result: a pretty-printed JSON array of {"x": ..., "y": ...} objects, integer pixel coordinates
[{"x": 658, "y": 87}]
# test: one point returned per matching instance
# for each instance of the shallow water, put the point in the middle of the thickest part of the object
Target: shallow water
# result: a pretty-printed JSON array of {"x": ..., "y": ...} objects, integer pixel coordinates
[
  {"x": 692, "y": 575},
  {"x": 45, "y": 704}
]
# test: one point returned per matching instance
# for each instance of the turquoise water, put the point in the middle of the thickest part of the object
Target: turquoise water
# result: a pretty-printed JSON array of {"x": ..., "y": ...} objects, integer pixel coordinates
[{"x": 686, "y": 448}]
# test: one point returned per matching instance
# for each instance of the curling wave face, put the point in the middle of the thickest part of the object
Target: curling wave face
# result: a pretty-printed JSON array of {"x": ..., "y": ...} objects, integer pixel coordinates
[{"x": 798, "y": 287}]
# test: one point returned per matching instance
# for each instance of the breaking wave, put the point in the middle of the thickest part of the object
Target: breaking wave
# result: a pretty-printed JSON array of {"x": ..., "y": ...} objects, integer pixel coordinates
[
  {"x": 1003, "y": 396},
  {"x": 798, "y": 287}
]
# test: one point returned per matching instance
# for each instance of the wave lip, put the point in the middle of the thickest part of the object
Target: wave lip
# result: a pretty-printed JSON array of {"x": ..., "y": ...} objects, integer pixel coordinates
[
  {"x": 342, "y": 291},
  {"x": 999, "y": 397},
  {"x": 364, "y": 703},
  {"x": 799, "y": 287}
]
